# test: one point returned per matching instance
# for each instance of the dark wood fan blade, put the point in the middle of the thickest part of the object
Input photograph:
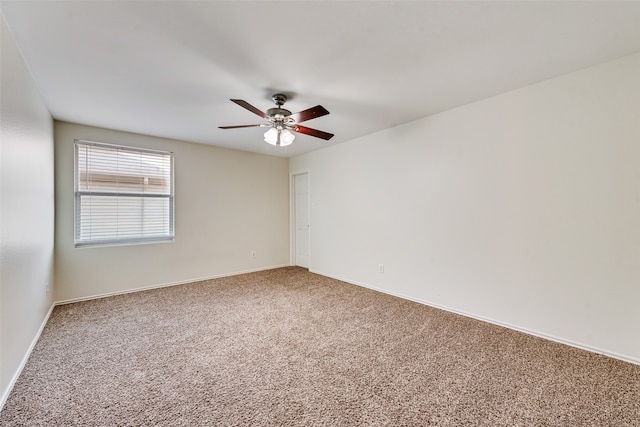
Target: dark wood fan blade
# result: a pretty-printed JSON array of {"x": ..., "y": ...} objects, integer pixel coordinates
[
  {"x": 254, "y": 110},
  {"x": 310, "y": 113},
  {"x": 313, "y": 132},
  {"x": 239, "y": 126}
]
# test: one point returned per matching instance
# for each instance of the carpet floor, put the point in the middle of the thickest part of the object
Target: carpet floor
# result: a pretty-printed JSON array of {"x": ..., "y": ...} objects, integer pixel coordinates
[{"x": 286, "y": 347}]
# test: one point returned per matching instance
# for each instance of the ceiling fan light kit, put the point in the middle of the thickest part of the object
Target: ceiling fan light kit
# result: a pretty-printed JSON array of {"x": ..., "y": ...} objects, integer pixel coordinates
[
  {"x": 282, "y": 123},
  {"x": 278, "y": 137}
]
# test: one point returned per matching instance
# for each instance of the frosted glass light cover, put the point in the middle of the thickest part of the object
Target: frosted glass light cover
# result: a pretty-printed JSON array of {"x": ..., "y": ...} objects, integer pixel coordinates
[
  {"x": 286, "y": 137},
  {"x": 271, "y": 136}
]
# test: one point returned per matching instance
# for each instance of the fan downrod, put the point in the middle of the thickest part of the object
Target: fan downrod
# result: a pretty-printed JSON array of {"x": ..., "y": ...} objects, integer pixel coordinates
[{"x": 278, "y": 113}]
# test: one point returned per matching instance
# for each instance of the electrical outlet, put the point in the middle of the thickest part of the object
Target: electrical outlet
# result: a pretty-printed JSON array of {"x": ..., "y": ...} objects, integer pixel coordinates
[
  {"x": 253, "y": 254},
  {"x": 380, "y": 268}
]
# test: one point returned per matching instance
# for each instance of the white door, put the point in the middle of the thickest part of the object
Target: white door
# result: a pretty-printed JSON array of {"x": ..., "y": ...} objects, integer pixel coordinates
[{"x": 301, "y": 192}]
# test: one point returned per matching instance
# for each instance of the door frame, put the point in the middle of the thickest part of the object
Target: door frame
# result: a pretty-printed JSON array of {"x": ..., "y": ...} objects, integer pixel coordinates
[{"x": 292, "y": 214}]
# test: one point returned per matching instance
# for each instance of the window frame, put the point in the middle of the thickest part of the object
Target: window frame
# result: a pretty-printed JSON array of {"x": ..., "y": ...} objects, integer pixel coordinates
[{"x": 138, "y": 240}]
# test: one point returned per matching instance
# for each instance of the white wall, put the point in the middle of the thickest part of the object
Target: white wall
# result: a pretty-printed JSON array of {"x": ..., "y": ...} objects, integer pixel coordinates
[
  {"x": 522, "y": 209},
  {"x": 26, "y": 211},
  {"x": 228, "y": 203}
]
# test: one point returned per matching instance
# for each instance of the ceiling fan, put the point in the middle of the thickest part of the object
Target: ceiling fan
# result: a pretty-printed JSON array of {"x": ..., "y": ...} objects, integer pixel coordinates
[{"x": 282, "y": 122}]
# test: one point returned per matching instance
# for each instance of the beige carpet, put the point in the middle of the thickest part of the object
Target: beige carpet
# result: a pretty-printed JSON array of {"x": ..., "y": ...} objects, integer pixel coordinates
[{"x": 287, "y": 347}]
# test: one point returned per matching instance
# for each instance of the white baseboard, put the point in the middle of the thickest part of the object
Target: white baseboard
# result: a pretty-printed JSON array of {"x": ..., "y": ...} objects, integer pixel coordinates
[
  {"x": 581, "y": 346},
  {"x": 164, "y": 285},
  {"x": 23, "y": 362}
]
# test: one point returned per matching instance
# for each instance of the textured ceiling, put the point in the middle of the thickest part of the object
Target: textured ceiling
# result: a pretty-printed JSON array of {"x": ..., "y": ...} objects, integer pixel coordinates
[{"x": 169, "y": 68}]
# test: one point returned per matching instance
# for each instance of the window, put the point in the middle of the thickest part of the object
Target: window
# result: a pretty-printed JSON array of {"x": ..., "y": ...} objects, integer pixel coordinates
[{"x": 123, "y": 195}]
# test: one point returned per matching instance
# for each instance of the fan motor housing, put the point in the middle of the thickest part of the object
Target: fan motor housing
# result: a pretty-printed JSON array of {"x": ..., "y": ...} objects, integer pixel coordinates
[{"x": 278, "y": 112}]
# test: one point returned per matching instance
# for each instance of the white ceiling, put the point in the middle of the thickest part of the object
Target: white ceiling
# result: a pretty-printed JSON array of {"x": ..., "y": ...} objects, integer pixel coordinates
[{"x": 169, "y": 68}]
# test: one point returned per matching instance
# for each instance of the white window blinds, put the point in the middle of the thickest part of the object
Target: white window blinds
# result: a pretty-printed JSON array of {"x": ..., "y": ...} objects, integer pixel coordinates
[{"x": 123, "y": 194}]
